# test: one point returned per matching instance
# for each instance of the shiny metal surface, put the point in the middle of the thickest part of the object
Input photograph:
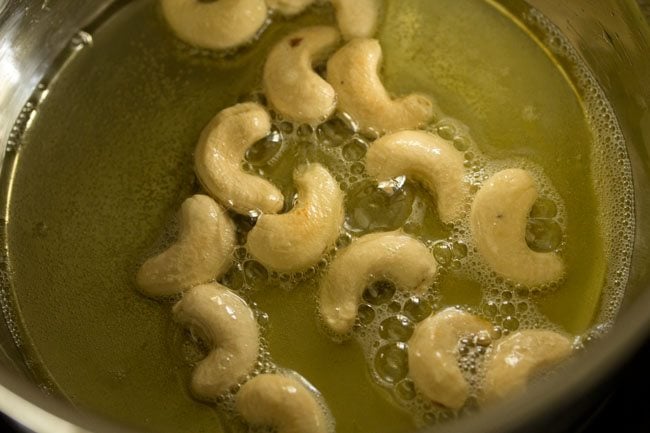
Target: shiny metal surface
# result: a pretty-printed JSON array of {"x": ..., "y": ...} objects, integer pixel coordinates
[{"x": 613, "y": 38}]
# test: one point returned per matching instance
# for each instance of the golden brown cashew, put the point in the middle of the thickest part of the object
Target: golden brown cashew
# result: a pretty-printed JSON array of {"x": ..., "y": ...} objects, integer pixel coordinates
[
  {"x": 353, "y": 71},
  {"x": 227, "y": 325},
  {"x": 520, "y": 356},
  {"x": 296, "y": 240},
  {"x": 290, "y": 83},
  {"x": 394, "y": 256},
  {"x": 357, "y": 18},
  {"x": 217, "y": 25},
  {"x": 433, "y": 355},
  {"x": 425, "y": 158},
  {"x": 289, "y": 7},
  {"x": 283, "y": 402},
  {"x": 202, "y": 253},
  {"x": 219, "y": 155},
  {"x": 498, "y": 222}
]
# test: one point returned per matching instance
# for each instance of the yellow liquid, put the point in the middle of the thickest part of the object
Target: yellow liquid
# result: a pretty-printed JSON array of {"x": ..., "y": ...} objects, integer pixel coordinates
[{"x": 107, "y": 161}]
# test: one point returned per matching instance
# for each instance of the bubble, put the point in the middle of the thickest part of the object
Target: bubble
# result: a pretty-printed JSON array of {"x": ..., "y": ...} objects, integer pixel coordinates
[
  {"x": 371, "y": 209},
  {"x": 544, "y": 208},
  {"x": 366, "y": 314},
  {"x": 483, "y": 339},
  {"x": 255, "y": 272},
  {"x": 355, "y": 149},
  {"x": 379, "y": 292},
  {"x": 396, "y": 328},
  {"x": 543, "y": 235},
  {"x": 391, "y": 362},
  {"x": 417, "y": 308},
  {"x": 446, "y": 130},
  {"x": 233, "y": 279},
  {"x": 459, "y": 250},
  {"x": 442, "y": 252},
  {"x": 510, "y": 323},
  {"x": 405, "y": 389},
  {"x": 265, "y": 150},
  {"x": 507, "y": 308},
  {"x": 333, "y": 132},
  {"x": 461, "y": 143}
]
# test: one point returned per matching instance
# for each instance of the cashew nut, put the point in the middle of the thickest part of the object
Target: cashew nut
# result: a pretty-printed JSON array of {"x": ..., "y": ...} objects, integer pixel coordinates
[
  {"x": 221, "y": 149},
  {"x": 394, "y": 256},
  {"x": 498, "y": 222},
  {"x": 426, "y": 158},
  {"x": 202, "y": 253},
  {"x": 227, "y": 325},
  {"x": 357, "y": 18},
  {"x": 289, "y": 7},
  {"x": 216, "y": 25},
  {"x": 286, "y": 403},
  {"x": 433, "y": 355},
  {"x": 353, "y": 71},
  {"x": 518, "y": 357},
  {"x": 296, "y": 240},
  {"x": 292, "y": 86}
]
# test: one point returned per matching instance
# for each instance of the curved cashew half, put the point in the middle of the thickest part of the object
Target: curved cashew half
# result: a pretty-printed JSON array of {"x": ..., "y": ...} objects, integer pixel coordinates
[
  {"x": 357, "y": 18},
  {"x": 520, "y": 356},
  {"x": 394, "y": 256},
  {"x": 226, "y": 324},
  {"x": 218, "y": 156},
  {"x": 498, "y": 222},
  {"x": 217, "y": 25},
  {"x": 433, "y": 355},
  {"x": 353, "y": 71},
  {"x": 292, "y": 86},
  {"x": 283, "y": 402},
  {"x": 202, "y": 253},
  {"x": 426, "y": 158},
  {"x": 289, "y": 7},
  {"x": 296, "y": 240}
]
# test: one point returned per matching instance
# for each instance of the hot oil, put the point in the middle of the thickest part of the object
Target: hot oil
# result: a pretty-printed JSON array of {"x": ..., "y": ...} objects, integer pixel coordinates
[{"x": 106, "y": 160}]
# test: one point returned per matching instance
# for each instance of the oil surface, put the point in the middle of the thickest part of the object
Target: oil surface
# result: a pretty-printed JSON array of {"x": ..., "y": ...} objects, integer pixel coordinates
[{"x": 106, "y": 161}]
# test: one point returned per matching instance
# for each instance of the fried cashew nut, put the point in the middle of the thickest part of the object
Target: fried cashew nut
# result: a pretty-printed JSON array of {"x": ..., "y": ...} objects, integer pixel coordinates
[
  {"x": 219, "y": 155},
  {"x": 353, "y": 71},
  {"x": 216, "y": 25},
  {"x": 203, "y": 251},
  {"x": 426, "y": 158},
  {"x": 286, "y": 403},
  {"x": 518, "y": 357},
  {"x": 498, "y": 223},
  {"x": 296, "y": 240},
  {"x": 289, "y": 7},
  {"x": 433, "y": 355},
  {"x": 291, "y": 84},
  {"x": 227, "y": 325},
  {"x": 357, "y": 18},
  {"x": 394, "y": 256}
]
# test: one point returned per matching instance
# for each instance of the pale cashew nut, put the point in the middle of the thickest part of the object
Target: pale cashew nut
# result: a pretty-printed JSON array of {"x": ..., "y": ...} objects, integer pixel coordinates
[
  {"x": 203, "y": 251},
  {"x": 394, "y": 256},
  {"x": 296, "y": 240},
  {"x": 217, "y": 25},
  {"x": 433, "y": 355},
  {"x": 357, "y": 18},
  {"x": 426, "y": 158},
  {"x": 353, "y": 71},
  {"x": 498, "y": 223},
  {"x": 228, "y": 326},
  {"x": 290, "y": 83},
  {"x": 283, "y": 402},
  {"x": 520, "y": 356},
  {"x": 289, "y": 7},
  {"x": 220, "y": 152}
]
